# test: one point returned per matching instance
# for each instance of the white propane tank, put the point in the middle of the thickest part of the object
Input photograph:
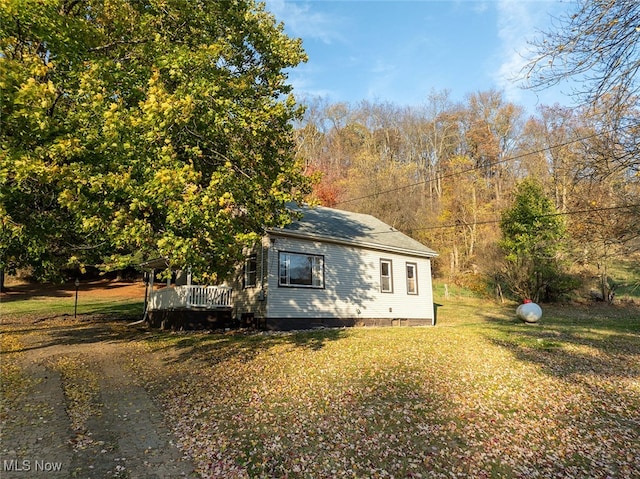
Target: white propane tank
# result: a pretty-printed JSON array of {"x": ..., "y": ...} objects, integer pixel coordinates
[{"x": 529, "y": 312}]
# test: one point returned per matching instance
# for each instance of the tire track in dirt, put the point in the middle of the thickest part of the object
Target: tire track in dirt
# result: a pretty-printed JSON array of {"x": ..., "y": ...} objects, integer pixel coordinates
[
  {"x": 36, "y": 437},
  {"x": 123, "y": 437},
  {"x": 132, "y": 425}
]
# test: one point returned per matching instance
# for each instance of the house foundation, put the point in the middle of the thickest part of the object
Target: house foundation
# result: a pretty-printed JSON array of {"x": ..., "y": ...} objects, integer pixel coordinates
[
  {"x": 191, "y": 319},
  {"x": 288, "y": 324}
]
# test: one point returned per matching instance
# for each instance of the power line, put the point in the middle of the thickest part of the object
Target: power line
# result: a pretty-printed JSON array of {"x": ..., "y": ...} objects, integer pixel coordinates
[
  {"x": 548, "y": 215},
  {"x": 474, "y": 168},
  {"x": 494, "y": 221}
]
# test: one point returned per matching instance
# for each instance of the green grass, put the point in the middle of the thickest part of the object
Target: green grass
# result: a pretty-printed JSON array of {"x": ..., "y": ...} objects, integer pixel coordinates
[
  {"x": 88, "y": 304},
  {"x": 479, "y": 395},
  {"x": 626, "y": 277}
]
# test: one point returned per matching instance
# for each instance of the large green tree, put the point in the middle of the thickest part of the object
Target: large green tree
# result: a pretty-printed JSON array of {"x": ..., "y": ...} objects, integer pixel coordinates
[
  {"x": 533, "y": 234},
  {"x": 133, "y": 128}
]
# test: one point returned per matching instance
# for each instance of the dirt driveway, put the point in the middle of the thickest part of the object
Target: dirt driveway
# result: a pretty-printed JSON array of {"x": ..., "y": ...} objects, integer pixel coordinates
[{"x": 73, "y": 407}]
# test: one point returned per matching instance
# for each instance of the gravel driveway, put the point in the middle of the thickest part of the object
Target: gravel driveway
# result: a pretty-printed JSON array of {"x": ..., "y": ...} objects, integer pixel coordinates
[{"x": 78, "y": 409}]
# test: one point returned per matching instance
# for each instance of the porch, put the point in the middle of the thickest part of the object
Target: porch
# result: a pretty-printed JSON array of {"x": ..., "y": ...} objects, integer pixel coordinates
[
  {"x": 178, "y": 304},
  {"x": 190, "y": 307},
  {"x": 190, "y": 297}
]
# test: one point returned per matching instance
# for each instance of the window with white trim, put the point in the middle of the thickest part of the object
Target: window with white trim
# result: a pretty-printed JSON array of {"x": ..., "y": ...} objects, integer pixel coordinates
[
  {"x": 412, "y": 278},
  {"x": 386, "y": 276},
  {"x": 301, "y": 270},
  {"x": 250, "y": 271}
]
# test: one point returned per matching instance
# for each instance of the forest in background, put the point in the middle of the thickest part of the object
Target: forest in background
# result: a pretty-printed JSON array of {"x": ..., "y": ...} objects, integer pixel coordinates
[
  {"x": 445, "y": 173},
  {"x": 134, "y": 130}
]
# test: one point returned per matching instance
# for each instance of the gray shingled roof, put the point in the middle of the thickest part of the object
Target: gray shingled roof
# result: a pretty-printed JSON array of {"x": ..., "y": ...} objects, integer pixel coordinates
[{"x": 354, "y": 229}]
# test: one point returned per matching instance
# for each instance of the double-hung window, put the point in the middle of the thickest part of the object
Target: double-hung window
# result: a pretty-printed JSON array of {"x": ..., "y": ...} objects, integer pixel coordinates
[
  {"x": 250, "y": 271},
  {"x": 301, "y": 270},
  {"x": 386, "y": 276},
  {"x": 412, "y": 278}
]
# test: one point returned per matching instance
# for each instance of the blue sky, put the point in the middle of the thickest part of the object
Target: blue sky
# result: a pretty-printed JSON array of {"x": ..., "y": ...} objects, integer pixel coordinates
[{"x": 401, "y": 51}]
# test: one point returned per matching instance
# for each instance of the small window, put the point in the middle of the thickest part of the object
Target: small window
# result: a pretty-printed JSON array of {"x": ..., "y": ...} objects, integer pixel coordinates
[
  {"x": 301, "y": 270},
  {"x": 250, "y": 271},
  {"x": 386, "y": 276},
  {"x": 412, "y": 278}
]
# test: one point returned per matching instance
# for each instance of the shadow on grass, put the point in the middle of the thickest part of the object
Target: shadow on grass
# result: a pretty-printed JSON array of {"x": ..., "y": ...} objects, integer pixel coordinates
[
  {"x": 113, "y": 323},
  {"x": 573, "y": 341},
  {"x": 72, "y": 332},
  {"x": 101, "y": 322},
  {"x": 213, "y": 348},
  {"x": 629, "y": 285},
  {"x": 124, "y": 310}
]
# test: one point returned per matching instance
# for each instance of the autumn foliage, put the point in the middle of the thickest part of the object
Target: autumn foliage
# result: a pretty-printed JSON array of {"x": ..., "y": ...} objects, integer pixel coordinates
[{"x": 446, "y": 173}]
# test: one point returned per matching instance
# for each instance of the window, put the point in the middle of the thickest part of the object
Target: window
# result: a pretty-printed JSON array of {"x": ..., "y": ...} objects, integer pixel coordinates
[
  {"x": 412, "y": 278},
  {"x": 386, "y": 276},
  {"x": 250, "y": 269},
  {"x": 301, "y": 270}
]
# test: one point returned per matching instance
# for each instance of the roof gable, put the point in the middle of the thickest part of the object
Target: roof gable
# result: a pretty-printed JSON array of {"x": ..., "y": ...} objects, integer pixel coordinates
[{"x": 355, "y": 229}]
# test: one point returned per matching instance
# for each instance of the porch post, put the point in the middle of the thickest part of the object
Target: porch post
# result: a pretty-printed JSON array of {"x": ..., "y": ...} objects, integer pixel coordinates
[{"x": 152, "y": 277}]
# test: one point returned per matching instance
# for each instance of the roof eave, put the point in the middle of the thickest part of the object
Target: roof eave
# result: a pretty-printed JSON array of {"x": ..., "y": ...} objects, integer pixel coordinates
[{"x": 349, "y": 242}]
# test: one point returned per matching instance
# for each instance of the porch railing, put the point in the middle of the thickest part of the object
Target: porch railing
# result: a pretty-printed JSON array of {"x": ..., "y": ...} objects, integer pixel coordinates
[
  {"x": 208, "y": 296},
  {"x": 194, "y": 296}
]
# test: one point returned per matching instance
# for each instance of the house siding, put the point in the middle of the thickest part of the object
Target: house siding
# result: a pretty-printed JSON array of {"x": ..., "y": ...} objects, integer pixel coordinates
[
  {"x": 351, "y": 286},
  {"x": 352, "y": 247},
  {"x": 250, "y": 300}
]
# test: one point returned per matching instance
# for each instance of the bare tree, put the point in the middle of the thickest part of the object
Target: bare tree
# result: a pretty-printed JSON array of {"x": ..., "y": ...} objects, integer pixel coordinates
[
  {"x": 491, "y": 128},
  {"x": 596, "y": 44},
  {"x": 554, "y": 154}
]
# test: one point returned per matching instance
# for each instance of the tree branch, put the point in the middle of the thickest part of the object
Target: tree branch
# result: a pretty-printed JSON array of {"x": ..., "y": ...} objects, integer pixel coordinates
[{"x": 108, "y": 46}]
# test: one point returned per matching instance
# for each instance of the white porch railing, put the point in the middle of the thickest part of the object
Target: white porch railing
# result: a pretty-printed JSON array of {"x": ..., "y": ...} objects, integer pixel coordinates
[
  {"x": 208, "y": 296},
  {"x": 194, "y": 296}
]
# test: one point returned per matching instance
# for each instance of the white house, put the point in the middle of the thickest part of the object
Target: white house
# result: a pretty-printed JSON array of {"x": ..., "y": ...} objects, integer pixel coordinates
[
  {"x": 328, "y": 268},
  {"x": 334, "y": 268}
]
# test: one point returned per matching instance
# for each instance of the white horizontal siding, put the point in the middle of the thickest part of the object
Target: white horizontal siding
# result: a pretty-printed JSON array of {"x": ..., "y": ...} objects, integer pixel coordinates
[
  {"x": 351, "y": 284},
  {"x": 250, "y": 300}
]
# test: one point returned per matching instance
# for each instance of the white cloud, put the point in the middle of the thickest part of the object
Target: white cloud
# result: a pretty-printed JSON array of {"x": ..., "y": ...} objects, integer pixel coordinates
[
  {"x": 382, "y": 66},
  {"x": 517, "y": 22},
  {"x": 301, "y": 78},
  {"x": 480, "y": 7},
  {"x": 301, "y": 21}
]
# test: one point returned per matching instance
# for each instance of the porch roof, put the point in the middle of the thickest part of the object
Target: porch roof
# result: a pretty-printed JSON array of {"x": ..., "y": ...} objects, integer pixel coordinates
[{"x": 155, "y": 264}]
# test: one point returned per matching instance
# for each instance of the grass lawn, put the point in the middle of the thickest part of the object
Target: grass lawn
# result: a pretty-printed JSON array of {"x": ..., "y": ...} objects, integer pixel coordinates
[
  {"x": 97, "y": 297},
  {"x": 479, "y": 395}
]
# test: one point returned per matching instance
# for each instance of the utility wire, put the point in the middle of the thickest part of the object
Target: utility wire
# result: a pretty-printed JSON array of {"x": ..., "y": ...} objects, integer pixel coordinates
[
  {"x": 548, "y": 215},
  {"x": 487, "y": 222},
  {"x": 474, "y": 168}
]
